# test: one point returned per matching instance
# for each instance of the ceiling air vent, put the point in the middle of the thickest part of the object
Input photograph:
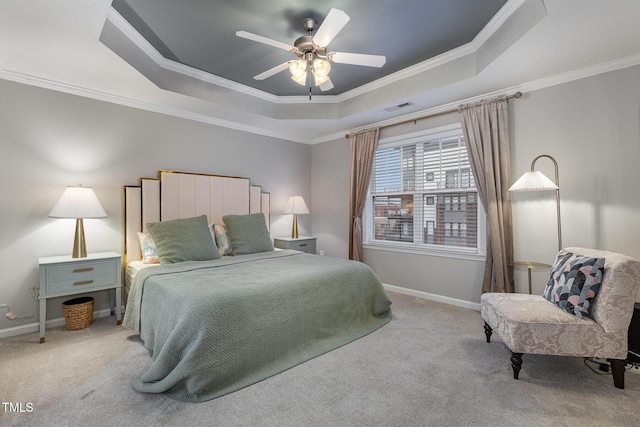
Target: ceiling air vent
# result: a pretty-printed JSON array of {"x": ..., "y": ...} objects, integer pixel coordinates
[{"x": 399, "y": 106}]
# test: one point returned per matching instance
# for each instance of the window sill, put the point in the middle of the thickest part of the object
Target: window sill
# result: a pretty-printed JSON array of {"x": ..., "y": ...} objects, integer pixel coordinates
[{"x": 410, "y": 249}]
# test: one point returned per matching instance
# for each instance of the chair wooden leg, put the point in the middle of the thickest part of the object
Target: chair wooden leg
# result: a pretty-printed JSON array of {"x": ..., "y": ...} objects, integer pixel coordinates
[
  {"x": 488, "y": 331},
  {"x": 516, "y": 364},
  {"x": 617, "y": 368}
]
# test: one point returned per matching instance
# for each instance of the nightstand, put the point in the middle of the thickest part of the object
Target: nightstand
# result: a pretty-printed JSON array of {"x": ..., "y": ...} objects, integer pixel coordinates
[
  {"x": 304, "y": 244},
  {"x": 64, "y": 275}
]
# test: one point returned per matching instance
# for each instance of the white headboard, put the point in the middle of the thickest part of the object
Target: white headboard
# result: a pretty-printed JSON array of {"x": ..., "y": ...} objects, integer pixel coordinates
[{"x": 183, "y": 195}]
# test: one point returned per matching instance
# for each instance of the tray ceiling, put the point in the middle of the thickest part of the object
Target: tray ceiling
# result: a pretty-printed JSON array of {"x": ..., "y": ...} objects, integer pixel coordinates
[{"x": 202, "y": 34}]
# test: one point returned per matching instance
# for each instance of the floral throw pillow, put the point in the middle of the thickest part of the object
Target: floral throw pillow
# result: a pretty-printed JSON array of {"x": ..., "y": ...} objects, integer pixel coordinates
[
  {"x": 221, "y": 239},
  {"x": 574, "y": 283},
  {"x": 148, "y": 249}
]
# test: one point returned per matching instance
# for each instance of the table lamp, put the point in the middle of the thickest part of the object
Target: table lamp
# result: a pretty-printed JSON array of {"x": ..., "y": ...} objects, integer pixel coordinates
[
  {"x": 296, "y": 206},
  {"x": 78, "y": 202}
]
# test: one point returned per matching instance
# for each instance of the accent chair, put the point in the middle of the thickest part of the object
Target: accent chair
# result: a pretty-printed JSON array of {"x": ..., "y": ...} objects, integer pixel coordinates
[{"x": 576, "y": 321}]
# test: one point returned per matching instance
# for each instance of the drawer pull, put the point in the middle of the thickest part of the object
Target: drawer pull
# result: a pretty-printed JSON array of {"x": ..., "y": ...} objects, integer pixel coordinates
[
  {"x": 84, "y": 282},
  {"x": 302, "y": 245},
  {"x": 81, "y": 270}
]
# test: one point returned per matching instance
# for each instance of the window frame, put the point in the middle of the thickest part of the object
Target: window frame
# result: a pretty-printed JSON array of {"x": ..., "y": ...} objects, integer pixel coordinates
[{"x": 458, "y": 252}]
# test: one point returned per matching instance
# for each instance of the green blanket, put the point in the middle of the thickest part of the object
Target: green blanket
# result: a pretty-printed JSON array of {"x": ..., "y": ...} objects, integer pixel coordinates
[{"x": 214, "y": 327}]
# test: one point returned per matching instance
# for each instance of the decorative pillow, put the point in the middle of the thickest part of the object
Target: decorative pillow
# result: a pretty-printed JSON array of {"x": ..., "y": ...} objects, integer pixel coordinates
[
  {"x": 221, "y": 239},
  {"x": 248, "y": 233},
  {"x": 574, "y": 283},
  {"x": 148, "y": 249},
  {"x": 186, "y": 239}
]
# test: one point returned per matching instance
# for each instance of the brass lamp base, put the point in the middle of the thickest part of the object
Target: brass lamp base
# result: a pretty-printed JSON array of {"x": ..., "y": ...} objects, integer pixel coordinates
[
  {"x": 294, "y": 227},
  {"x": 79, "y": 245}
]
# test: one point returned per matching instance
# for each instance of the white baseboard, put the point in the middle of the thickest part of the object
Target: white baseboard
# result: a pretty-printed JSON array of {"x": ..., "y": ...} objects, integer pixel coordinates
[
  {"x": 35, "y": 327},
  {"x": 433, "y": 297}
]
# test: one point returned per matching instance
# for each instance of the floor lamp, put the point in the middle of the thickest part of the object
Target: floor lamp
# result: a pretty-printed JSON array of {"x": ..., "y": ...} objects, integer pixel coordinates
[{"x": 537, "y": 181}]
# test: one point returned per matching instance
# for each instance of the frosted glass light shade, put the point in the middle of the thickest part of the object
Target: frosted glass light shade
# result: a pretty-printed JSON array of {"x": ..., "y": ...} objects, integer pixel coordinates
[
  {"x": 299, "y": 71},
  {"x": 301, "y": 80},
  {"x": 78, "y": 202},
  {"x": 296, "y": 205},
  {"x": 533, "y": 181},
  {"x": 298, "y": 68},
  {"x": 321, "y": 70},
  {"x": 321, "y": 67}
]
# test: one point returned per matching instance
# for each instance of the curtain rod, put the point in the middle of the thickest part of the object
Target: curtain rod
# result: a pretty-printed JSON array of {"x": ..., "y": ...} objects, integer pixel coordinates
[{"x": 441, "y": 113}]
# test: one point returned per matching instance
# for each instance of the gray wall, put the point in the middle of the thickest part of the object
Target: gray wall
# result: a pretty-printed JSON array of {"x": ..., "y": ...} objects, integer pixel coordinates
[
  {"x": 50, "y": 140},
  {"x": 590, "y": 126},
  {"x": 330, "y": 196}
]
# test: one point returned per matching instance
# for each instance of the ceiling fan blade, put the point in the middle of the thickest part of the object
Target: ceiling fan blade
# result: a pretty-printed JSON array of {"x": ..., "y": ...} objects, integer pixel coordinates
[
  {"x": 327, "y": 85},
  {"x": 357, "y": 59},
  {"x": 264, "y": 40},
  {"x": 272, "y": 71},
  {"x": 331, "y": 26}
]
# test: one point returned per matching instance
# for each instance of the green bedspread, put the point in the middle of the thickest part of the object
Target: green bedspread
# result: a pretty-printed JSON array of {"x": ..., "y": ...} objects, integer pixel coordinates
[{"x": 214, "y": 327}]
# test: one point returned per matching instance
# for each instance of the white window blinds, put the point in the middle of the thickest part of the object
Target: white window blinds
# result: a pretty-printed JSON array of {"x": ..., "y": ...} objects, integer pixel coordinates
[{"x": 424, "y": 194}]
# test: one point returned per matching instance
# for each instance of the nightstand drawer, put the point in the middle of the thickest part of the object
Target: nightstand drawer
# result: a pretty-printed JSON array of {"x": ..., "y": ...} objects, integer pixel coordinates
[
  {"x": 79, "y": 284},
  {"x": 304, "y": 246},
  {"x": 80, "y": 271}
]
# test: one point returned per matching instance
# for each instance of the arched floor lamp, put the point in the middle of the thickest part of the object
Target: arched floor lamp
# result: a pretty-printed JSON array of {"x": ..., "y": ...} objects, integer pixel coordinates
[{"x": 537, "y": 181}]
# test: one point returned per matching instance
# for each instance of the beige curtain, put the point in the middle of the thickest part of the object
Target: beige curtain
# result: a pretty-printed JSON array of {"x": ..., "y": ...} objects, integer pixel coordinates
[
  {"x": 362, "y": 151},
  {"x": 486, "y": 132}
]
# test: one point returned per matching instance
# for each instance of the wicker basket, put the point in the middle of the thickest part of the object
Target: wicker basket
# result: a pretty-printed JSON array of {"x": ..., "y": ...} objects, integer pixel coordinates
[{"x": 78, "y": 313}]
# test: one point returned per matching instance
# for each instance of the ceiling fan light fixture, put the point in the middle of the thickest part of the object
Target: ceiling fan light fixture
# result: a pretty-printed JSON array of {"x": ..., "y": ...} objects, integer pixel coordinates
[
  {"x": 320, "y": 70},
  {"x": 320, "y": 79},
  {"x": 300, "y": 79},
  {"x": 321, "y": 67},
  {"x": 311, "y": 50},
  {"x": 298, "y": 68}
]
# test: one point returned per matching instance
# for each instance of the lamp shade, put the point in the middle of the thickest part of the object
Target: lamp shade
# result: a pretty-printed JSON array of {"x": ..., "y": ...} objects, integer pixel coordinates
[
  {"x": 296, "y": 205},
  {"x": 299, "y": 71},
  {"x": 533, "y": 181},
  {"x": 321, "y": 70},
  {"x": 78, "y": 202}
]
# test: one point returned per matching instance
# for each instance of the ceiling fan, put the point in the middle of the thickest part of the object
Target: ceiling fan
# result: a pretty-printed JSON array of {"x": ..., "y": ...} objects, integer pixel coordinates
[{"x": 312, "y": 54}]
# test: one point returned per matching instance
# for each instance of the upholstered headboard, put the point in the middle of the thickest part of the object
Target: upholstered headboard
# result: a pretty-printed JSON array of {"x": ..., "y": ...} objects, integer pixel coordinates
[{"x": 183, "y": 195}]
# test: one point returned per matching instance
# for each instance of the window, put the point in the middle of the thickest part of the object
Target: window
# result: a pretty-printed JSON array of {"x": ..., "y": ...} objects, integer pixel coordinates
[{"x": 422, "y": 195}]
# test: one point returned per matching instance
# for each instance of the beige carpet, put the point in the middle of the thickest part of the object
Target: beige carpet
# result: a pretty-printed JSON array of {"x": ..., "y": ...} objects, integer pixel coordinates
[{"x": 429, "y": 366}]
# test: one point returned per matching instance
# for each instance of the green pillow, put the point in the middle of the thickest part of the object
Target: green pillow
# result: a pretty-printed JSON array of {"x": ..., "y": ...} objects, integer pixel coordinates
[
  {"x": 248, "y": 233},
  {"x": 187, "y": 239}
]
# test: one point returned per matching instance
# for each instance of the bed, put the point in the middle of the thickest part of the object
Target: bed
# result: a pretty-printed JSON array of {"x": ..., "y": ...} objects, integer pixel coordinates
[{"x": 243, "y": 314}]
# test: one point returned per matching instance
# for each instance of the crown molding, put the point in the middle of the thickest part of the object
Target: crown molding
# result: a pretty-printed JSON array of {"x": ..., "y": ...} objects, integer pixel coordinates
[
  {"x": 582, "y": 73},
  {"x": 566, "y": 77},
  {"x": 497, "y": 21},
  {"x": 140, "y": 42},
  {"x": 142, "y": 105}
]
